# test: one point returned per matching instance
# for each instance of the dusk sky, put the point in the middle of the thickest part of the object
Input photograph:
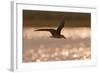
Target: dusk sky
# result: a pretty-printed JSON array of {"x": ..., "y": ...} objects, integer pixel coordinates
[{"x": 51, "y": 19}]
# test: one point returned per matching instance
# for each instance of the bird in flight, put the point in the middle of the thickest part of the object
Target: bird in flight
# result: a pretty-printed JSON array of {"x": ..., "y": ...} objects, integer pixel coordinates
[{"x": 56, "y": 33}]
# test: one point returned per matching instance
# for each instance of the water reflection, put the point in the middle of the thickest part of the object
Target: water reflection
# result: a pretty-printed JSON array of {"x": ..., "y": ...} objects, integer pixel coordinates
[
  {"x": 40, "y": 47},
  {"x": 47, "y": 54}
]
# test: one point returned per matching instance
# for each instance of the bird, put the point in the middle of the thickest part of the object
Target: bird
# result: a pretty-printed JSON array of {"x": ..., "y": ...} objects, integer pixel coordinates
[{"x": 56, "y": 33}]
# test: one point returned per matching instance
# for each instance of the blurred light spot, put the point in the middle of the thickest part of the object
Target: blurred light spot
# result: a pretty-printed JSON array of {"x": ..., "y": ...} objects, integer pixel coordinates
[
  {"x": 65, "y": 52},
  {"x": 75, "y": 55},
  {"x": 38, "y": 60}
]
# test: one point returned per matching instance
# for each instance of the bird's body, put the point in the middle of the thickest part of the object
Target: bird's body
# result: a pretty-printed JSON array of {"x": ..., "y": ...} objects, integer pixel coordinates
[{"x": 56, "y": 33}]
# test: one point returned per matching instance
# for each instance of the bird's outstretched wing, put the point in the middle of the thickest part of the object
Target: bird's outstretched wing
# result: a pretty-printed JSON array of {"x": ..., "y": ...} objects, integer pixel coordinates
[
  {"x": 52, "y": 31},
  {"x": 61, "y": 25},
  {"x": 43, "y": 30}
]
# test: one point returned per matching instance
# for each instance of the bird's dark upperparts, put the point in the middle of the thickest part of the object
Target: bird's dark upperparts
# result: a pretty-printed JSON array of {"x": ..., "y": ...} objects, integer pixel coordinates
[{"x": 56, "y": 33}]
